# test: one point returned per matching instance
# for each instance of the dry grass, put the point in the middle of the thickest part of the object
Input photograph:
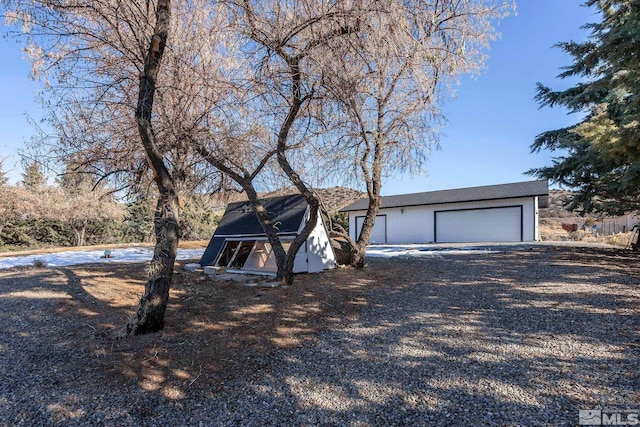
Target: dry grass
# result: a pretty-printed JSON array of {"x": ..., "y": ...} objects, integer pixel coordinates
[
  {"x": 209, "y": 325},
  {"x": 551, "y": 230}
]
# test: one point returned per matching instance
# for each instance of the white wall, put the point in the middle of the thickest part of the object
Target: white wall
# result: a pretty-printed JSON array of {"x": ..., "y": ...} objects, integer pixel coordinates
[
  {"x": 414, "y": 224},
  {"x": 319, "y": 254},
  {"x": 536, "y": 220},
  {"x": 300, "y": 263}
]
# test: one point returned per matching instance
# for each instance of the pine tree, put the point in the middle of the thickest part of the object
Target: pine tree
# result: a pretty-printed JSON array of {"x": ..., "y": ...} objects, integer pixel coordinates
[
  {"x": 75, "y": 180},
  {"x": 4, "y": 180},
  {"x": 139, "y": 220},
  {"x": 32, "y": 178},
  {"x": 603, "y": 150}
]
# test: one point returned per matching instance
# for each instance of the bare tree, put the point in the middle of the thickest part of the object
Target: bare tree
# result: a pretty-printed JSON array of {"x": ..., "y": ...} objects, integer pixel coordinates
[
  {"x": 245, "y": 87},
  {"x": 82, "y": 200},
  {"x": 149, "y": 316},
  {"x": 47, "y": 203},
  {"x": 365, "y": 78},
  {"x": 97, "y": 56},
  {"x": 283, "y": 45},
  {"x": 89, "y": 57},
  {"x": 388, "y": 80},
  {"x": 121, "y": 114}
]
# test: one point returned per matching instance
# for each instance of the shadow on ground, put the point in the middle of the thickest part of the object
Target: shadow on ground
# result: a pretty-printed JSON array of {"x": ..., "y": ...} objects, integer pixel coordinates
[{"x": 528, "y": 337}]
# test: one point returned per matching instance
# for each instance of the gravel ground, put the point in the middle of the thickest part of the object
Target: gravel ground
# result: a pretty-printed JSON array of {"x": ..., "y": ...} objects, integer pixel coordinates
[{"x": 524, "y": 336}]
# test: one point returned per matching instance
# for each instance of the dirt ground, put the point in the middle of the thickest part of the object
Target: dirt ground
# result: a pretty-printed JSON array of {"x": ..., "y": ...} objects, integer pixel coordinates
[
  {"x": 57, "y": 329},
  {"x": 61, "y": 362}
]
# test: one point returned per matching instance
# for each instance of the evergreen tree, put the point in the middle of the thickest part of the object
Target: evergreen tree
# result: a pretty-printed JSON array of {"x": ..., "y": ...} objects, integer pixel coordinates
[
  {"x": 77, "y": 179},
  {"x": 32, "y": 178},
  {"x": 197, "y": 219},
  {"x": 3, "y": 174},
  {"x": 603, "y": 150},
  {"x": 139, "y": 220},
  {"x": 72, "y": 181}
]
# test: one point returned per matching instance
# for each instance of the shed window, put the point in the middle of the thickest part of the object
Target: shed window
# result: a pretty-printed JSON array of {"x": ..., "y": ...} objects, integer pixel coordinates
[
  {"x": 227, "y": 253},
  {"x": 261, "y": 258},
  {"x": 255, "y": 255},
  {"x": 242, "y": 253}
]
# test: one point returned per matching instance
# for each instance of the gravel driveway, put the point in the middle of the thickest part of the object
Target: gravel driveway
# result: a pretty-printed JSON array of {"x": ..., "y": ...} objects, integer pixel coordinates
[{"x": 524, "y": 336}]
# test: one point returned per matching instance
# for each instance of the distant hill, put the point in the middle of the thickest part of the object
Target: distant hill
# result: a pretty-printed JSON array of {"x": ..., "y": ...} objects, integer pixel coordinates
[
  {"x": 557, "y": 201},
  {"x": 336, "y": 198},
  {"x": 333, "y": 198}
]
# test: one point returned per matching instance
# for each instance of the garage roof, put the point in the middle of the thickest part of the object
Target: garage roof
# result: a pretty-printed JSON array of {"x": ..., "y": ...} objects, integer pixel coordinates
[{"x": 472, "y": 194}]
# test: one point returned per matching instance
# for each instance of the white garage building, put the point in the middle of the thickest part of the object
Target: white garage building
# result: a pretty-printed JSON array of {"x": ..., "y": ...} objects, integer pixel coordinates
[{"x": 495, "y": 213}]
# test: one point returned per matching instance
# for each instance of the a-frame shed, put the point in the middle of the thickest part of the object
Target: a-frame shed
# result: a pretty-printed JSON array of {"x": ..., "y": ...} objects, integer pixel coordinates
[{"x": 239, "y": 243}]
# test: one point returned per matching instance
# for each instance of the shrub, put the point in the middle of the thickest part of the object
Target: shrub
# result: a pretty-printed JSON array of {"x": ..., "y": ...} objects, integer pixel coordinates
[
  {"x": 341, "y": 218},
  {"x": 39, "y": 263},
  {"x": 620, "y": 239}
]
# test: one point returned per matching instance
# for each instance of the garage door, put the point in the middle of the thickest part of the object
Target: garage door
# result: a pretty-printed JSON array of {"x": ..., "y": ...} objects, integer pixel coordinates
[
  {"x": 479, "y": 225},
  {"x": 379, "y": 232}
]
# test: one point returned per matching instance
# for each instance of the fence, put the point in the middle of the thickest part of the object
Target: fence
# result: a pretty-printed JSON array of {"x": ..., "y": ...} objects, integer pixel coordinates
[{"x": 604, "y": 227}]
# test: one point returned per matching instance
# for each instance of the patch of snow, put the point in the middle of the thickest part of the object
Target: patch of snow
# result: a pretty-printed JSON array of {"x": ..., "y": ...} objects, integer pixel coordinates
[
  {"x": 63, "y": 259},
  {"x": 388, "y": 251},
  {"x": 142, "y": 254}
]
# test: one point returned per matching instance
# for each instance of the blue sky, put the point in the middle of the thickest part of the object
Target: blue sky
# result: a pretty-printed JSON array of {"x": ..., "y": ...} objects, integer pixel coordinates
[
  {"x": 491, "y": 122},
  {"x": 494, "y": 119},
  {"x": 17, "y": 93}
]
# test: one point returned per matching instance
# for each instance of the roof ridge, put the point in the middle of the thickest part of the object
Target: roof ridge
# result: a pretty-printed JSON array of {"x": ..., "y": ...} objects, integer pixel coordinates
[{"x": 465, "y": 194}]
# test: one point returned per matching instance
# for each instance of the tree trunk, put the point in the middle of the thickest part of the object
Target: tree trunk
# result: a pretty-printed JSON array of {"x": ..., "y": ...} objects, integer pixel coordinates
[
  {"x": 246, "y": 182},
  {"x": 149, "y": 316},
  {"x": 360, "y": 248},
  {"x": 287, "y": 272},
  {"x": 81, "y": 232},
  {"x": 268, "y": 227},
  {"x": 374, "y": 189},
  {"x": 312, "y": 200}
]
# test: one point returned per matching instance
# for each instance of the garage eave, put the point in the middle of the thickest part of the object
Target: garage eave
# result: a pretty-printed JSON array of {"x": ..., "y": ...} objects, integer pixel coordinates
[{"x": 538, "y": 188}]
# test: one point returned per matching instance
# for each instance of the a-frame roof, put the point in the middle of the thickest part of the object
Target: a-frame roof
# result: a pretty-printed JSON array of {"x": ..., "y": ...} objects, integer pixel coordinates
[
  {"x": 471, "y": 194},
  {"x": 239, "y": 221},
  {"x": 285, "y": 212}
]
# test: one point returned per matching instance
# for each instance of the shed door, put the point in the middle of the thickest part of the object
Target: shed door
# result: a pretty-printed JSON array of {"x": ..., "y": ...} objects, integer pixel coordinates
[
  {"x": 479, "y": 225},
  {"x": 379, "y": 232}
]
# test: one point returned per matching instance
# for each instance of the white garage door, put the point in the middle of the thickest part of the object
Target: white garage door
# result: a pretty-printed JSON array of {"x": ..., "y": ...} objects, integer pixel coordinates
[
  {"x": 479, "y": 225},
  {"x": 379, "y": 232}
]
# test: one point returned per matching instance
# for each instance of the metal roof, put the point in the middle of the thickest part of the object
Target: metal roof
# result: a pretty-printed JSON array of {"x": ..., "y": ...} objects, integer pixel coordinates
[
  {"x": 472, "y": 194},
  {"x": 239, "y": 220},
  {"x": 285, "y": 212}
]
